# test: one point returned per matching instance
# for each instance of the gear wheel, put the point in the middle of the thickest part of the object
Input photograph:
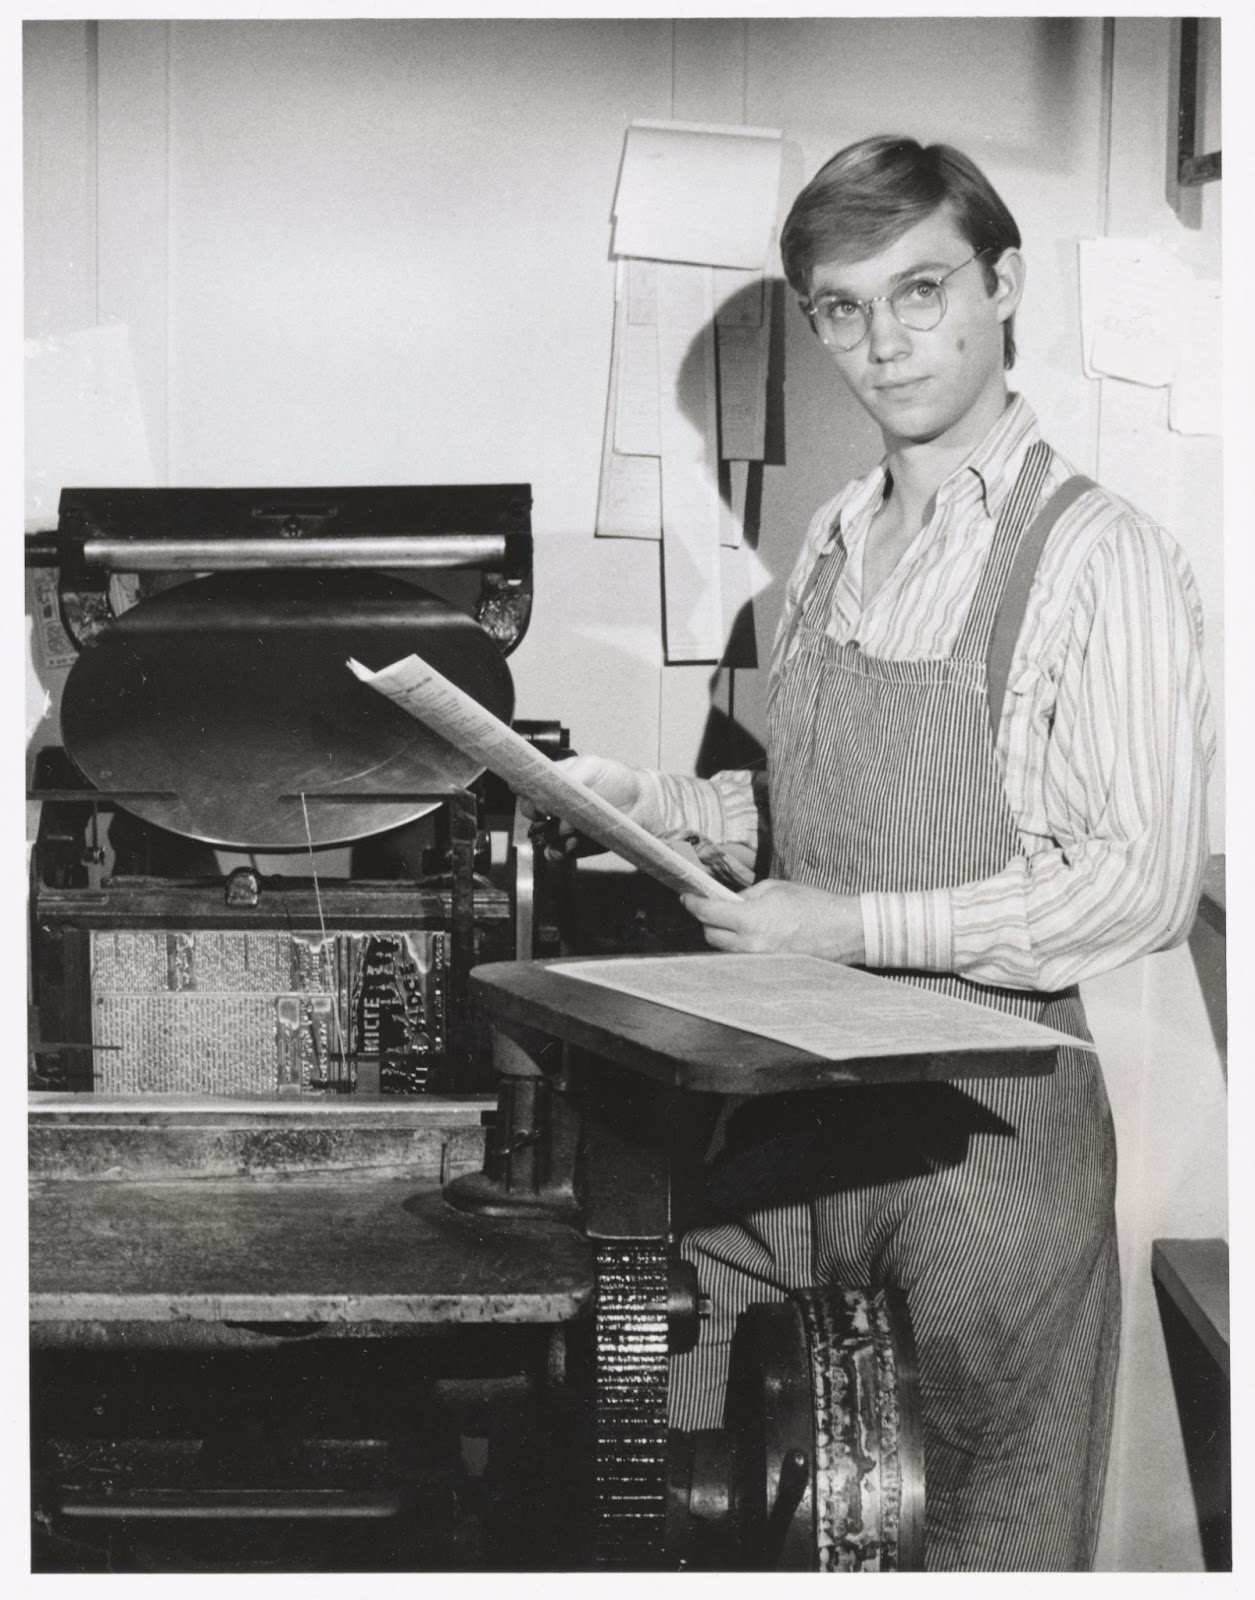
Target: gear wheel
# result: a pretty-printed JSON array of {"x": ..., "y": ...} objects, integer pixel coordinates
[
  {"x": 630, "y": 1406},
  {"x": 823, "y": 1414}
]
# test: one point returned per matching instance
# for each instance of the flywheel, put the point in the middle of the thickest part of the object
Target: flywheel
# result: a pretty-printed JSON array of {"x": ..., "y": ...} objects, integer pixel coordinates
[{"x": 823, "y": 1425}]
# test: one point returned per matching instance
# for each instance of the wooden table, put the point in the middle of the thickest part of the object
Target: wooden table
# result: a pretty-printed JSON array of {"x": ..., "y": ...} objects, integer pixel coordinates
[
  {"x": 217, "y": 1213},
  {"x": 682, "y": 1051},
  {"x": 168, "y": 1224}
]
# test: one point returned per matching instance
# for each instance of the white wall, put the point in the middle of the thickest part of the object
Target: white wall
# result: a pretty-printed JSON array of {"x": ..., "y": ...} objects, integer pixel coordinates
[
  {"x": 371, "y": 252},
  {"x": 1164, "y": 1069}
]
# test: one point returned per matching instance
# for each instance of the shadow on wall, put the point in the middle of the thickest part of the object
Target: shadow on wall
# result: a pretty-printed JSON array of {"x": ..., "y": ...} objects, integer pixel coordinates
[
  {"x": 836, "y": 441},
  {"x": 1207, "y": 949},
  {"x": 725, "y": 741}
]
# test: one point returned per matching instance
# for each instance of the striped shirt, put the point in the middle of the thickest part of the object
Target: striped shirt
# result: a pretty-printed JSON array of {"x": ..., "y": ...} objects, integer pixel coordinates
[{"x": 1105, "y": 739}]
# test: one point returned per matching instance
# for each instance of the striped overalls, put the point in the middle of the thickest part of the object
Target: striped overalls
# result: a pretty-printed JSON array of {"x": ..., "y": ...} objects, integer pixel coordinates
[{"x": 991, "y": 1205}]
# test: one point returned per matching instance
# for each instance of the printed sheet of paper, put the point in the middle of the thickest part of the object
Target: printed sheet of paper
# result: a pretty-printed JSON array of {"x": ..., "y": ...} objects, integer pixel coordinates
[
  {"x": 630, "y": 504},
  {"x": 629, "y": 493},
  {"x": 429, "y": 697},
  {"x": 833, "y": 1011},
  {"x": 636, "y": 423},
  {"x": 1196, "y": 399},
  {"x": 689, "y": 427},
  {"x": 691, "y": 192},
  {"x": 743, "y": 354},
  {"x": 1131, "y": 296}
]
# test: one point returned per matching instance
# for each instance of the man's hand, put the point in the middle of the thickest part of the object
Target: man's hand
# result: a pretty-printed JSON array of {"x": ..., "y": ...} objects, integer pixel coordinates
[
  {"x": 614, "y": 782},
  {"x": 776, "y": 916}
]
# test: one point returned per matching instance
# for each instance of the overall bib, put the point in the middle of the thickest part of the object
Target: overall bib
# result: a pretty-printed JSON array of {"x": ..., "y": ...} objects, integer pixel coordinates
[{"x": 990, "y": 1205}]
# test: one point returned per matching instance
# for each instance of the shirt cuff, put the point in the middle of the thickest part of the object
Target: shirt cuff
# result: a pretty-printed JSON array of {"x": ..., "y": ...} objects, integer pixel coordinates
[
  {"x": 682, "y": 804},
  {"x": 912, "y": 931}
]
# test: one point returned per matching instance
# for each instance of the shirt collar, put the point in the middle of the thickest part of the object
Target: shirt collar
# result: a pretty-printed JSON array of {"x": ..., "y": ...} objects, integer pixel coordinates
[
  {"x": 856, "y": 501},
  {"x": 997, "y": 459},
  {"x": 994, "y": 464}
]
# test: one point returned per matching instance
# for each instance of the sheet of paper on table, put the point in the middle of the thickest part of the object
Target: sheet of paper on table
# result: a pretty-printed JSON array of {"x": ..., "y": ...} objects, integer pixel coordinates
[
  {"x": 833, "y": 1011},
  {"x": 430, "y": 698}
]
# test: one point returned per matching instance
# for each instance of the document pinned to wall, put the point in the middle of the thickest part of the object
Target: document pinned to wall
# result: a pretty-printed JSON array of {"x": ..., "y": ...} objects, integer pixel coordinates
[
  {"x": 1196, "y": 398},
  {"x": 691, "y": 521},
  {"x": 691, "y": 192},
  {"x": 636, "y": 423},
  {"x": 695, "y": 217},
  {"x": 1146, "y": 319},
  {"x": 629, "y": 498},
  {"x": 1128, "y": 291}
]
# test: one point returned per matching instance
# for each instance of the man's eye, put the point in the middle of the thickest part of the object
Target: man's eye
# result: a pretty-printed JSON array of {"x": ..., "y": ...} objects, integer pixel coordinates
[
  {"x": 918, "y": 292},
  {"x": 839, "y": 310}
]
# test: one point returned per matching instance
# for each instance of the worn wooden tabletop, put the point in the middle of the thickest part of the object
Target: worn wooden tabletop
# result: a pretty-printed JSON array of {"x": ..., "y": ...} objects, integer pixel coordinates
[
  {"x": 684, "y": 1051},
  {"x": 248, "y": 1250}
]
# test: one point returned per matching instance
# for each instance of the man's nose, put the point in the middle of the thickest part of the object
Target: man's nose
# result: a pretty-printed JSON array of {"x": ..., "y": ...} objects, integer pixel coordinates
[{"x": 887, "y": 338}]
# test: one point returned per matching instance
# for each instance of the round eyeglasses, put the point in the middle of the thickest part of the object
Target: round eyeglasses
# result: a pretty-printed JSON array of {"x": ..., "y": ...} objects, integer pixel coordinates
[{"x": 918, "y": 302}]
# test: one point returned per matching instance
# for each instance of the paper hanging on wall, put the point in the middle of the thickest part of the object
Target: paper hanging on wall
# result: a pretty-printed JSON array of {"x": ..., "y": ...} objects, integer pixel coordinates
[
  {"x": 696, "y": 193},
  {"x": 1196, "y": 398},
  {"x": 733, "y": 497},
  {"x": 743, "y": 356},
  {"x": 641, "y": 285},
  {"x": 1132, "y": 291},
  {"x": 84, "y": 422},
  {"x": 690, "y": 487},
  {"x": 629, "y": 493},
  {"x": 740, "y": 298},
  {"x": 636, "y": 411},
  {"x": 1145, "y": 318},
  {"x": 630, "y": 505}
]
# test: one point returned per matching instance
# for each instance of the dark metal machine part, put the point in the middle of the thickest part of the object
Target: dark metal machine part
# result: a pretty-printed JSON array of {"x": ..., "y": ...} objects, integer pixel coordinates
[
  {"x": 228, "y": 699},
  {"x": 825, "y": 1465},
  {"x": 481, "y": 527}
]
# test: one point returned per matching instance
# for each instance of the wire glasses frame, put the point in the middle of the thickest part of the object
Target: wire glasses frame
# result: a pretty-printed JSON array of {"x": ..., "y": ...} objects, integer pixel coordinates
[{"x": 919, "y": 304}]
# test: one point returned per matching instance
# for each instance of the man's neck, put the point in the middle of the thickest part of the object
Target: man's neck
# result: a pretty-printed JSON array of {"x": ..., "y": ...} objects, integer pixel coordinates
[{"x": 918, "y": 468}]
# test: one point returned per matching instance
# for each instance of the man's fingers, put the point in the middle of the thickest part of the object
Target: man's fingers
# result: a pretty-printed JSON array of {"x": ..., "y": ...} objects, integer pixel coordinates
[{"x": 713, "y": 913}]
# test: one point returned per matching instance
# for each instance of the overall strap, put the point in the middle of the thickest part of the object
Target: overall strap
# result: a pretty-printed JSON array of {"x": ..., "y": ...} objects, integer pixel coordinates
[
  {"x": 819, "y": 588},
  {"x": 1015, "y": 516},
  {"x": 1014, "y": 603}
]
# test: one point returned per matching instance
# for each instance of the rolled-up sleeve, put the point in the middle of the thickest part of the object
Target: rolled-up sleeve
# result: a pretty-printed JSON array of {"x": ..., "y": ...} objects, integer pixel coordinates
[
  {"x": 1116, "y": 841},
  {"x": 728, "y": 809}
]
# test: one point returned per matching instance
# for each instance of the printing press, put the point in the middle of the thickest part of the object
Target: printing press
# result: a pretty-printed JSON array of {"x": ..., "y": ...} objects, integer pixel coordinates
[{"x": 353, "y": 1220}]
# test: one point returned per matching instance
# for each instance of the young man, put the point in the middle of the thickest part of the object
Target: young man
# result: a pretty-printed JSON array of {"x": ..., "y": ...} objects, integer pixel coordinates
[{"x": 988, "y": 744}]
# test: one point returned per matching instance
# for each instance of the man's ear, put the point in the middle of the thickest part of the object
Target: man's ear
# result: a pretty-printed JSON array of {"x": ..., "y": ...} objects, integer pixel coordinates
[{"x": 1009, "y": 272}]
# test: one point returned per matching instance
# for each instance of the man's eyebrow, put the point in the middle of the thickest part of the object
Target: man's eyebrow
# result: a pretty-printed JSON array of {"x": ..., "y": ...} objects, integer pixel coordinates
[{"x": 898, "y": 277}]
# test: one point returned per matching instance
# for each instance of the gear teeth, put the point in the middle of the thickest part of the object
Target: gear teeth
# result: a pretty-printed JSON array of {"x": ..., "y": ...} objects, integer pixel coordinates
[
  {"x": 630, "y": 1462},
  {"x": 858, "y": 1485}
]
